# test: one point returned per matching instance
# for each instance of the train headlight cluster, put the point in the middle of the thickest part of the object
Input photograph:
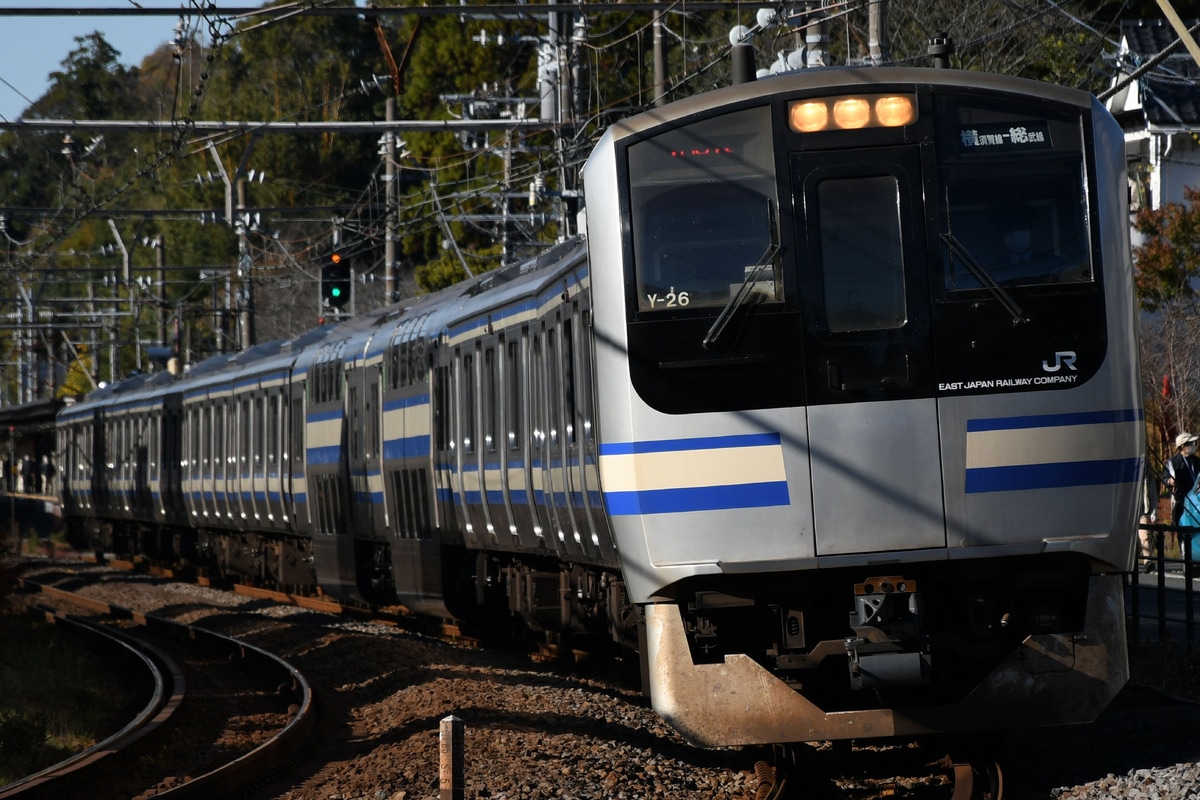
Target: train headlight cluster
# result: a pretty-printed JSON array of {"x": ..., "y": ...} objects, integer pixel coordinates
[{"x": 852, "y": 113}]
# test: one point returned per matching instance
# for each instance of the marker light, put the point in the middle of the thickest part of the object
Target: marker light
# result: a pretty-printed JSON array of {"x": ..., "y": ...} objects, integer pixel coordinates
[
  {"x": 894, "y": 111},
  {"x": 809, "y": 116},
  {"x": 852, "y": 112}
]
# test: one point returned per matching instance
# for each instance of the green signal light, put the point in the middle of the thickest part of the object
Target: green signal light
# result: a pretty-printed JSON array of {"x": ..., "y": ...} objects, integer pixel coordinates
[{"x": 336, "y": 292}]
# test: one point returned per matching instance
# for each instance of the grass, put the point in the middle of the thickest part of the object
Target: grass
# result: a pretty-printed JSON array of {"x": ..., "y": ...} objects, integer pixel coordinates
[
  {"x": 54, "y": 699},
  {"x": 58, "y": 695}
]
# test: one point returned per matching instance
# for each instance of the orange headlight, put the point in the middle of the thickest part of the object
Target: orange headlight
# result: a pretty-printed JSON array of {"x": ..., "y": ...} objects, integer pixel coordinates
[
  {"x": 852, "y": 113},
  {"x": 894, "y": 111},
  {"x": 809, "y": 116}
]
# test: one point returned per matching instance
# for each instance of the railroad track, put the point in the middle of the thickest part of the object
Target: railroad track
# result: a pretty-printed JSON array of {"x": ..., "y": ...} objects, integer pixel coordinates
[
  {"x": 839, "y": 771},
  {"x": 223, "y": 712},
  {"x": 920, "y": 769}
]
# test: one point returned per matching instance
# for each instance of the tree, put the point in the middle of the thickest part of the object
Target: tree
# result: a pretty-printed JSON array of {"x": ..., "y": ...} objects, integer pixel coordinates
[
  {"x": 1167, "y": 263},
  {"x": 1166, "y": 269}
]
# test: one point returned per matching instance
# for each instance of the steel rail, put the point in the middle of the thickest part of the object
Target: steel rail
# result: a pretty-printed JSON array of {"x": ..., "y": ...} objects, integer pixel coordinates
[{"x": 302, "y": 716}]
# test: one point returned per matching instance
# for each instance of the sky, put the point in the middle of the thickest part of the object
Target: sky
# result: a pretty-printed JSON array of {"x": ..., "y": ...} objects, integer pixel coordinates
[{"x": 33, "y": 47}]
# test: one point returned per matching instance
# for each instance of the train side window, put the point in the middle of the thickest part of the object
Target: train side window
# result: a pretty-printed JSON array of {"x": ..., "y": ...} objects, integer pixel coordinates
[
  {"x": 568, "y": 381},
  {"x": 537, "y": 396},
  {"x": 246, "y": 420},
  {"x": 373, "y": 445},
  {"x": 514, "y": 403},
  {"x": 355, "y": 430},
  {"x": 469, "y": 404},
  {"x": 205, "y": 451},
  {"x": 586, "y": 390},
  {"x": 296, "y": 446},
  {"x": 490, "y": 400},
  {"x": 276, "y": 419},
  {"x": 553, "y": 370},
  {"x": 260, "y": 431},
  {"x": 701, "y": 197},
  {"x": 441, "y": 412},
  {"x": 862, "y": 262}
]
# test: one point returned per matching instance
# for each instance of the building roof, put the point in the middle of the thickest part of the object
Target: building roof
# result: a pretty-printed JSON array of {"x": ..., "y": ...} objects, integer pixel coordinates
[{"x": 1168, "y": 96}]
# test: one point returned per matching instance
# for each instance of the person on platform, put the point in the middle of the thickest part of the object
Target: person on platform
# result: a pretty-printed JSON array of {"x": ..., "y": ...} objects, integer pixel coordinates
[
  {"x": 48, "y": 471},
  {"x": 28, "y": 476},
  {"x": 1181, "y": 473}
]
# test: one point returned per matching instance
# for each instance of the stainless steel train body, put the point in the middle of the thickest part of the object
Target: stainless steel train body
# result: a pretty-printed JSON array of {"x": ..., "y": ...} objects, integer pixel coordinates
[
  {"x": 871, "y": 470},
  {"x": 378, "y": 458},
  {"x": 854, "y": 451}
]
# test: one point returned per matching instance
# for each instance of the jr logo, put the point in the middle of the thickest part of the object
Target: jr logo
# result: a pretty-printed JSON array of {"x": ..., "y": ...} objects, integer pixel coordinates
[{"x": 1063, "y": 358}]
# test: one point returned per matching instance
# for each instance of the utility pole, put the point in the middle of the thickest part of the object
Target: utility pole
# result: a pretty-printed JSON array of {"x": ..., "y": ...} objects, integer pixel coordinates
[
  {"x": 161, "y": 293},
  {"x": 246, "y": 303},
  {"x": 878, "y": 45},
  {"x": 816, "y": 38},
  {"x": 118, "y": 281},
  {"x": 660, "y": 63},
  {"x": 391, "y": 193}
]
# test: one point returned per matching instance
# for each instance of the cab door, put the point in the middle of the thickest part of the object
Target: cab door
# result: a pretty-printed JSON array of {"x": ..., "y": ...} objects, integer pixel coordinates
[{"x": 868, "y": 355}]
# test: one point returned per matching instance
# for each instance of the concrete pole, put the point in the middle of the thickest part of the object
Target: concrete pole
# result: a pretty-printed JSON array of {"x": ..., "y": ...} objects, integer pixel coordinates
[
  {"x": 161, "y": 332},
  {"x": 391, "y": 222},
  {"x": 452, "y": 773}
]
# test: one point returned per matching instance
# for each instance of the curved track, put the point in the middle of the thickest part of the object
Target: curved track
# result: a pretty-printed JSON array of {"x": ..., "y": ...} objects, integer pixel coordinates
[{"x": 105, "y": 758}]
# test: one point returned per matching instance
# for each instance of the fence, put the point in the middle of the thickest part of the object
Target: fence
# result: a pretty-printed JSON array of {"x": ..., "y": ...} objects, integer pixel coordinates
[{"x": 1156, "y": 558}]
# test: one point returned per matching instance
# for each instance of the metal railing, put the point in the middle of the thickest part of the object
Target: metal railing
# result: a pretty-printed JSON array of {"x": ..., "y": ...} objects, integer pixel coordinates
[{"x": 1175, "y": 557}]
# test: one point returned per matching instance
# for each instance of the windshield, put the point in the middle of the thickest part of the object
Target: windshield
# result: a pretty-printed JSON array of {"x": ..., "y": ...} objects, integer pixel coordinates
[
  {"x": 1013, "y": 196},
  {"x": 701, "y": 198}
]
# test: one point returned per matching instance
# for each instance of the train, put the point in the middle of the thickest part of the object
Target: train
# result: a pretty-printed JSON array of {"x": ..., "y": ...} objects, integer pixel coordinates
[{"x": 832, "y": 414}]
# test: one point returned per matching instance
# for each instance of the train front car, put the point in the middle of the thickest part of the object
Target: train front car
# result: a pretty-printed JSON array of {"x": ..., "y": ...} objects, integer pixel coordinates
[{"x": 871, "y": 431}]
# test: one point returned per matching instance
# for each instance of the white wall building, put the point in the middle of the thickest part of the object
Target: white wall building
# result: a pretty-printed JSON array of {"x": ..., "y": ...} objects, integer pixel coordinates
[{"x": 1159, "y": 112}]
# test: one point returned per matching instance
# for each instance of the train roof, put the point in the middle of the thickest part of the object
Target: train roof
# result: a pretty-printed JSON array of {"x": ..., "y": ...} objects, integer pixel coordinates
[
  {"x": 32, "y": 416},
  {"x": 853, "y": 79}
]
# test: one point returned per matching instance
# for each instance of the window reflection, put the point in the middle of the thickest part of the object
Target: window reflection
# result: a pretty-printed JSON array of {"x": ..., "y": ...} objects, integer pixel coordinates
[
  {"x": 862, "y": 265},
  {"x": 701, "y": 197},
  {"x": 1023, "y": 229}
]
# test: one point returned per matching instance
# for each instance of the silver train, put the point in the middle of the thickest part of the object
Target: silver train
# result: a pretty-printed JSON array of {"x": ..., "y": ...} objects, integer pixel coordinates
[{"x": 834, "y": 415}]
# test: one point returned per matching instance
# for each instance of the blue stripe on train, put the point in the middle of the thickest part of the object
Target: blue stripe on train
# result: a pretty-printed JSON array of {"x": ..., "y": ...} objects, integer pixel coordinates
[
  {"x": 700, "y": 498},
  {"x": 1052, "y": 476}
]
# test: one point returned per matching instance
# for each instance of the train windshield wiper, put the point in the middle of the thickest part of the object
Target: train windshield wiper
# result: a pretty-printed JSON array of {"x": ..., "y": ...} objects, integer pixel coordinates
[
  {"x": 753, "y": 276},
  {"x": 985, "y": 279}
]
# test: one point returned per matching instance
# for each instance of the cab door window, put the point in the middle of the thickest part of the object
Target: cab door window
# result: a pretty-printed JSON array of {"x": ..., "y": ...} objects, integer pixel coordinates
[{"x": 862, "y": 263}]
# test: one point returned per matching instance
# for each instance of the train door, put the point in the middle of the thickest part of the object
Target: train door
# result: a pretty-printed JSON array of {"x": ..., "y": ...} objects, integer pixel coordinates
[
  {"x": 559, "y": 430},
  {"x": 589, "y": 454},
  {"x": 258, "y": 455},
  {"x": 544, "y": 519},
  {"x": 171, "y": 458},
  {"x": 358, "y": 497},
  {"x": 373, "y": 451},
  {"x": 101, "y": 445},
  {"x": 245, "y": 457},
  {"x": 275, "y": 425},
  {"x": 297, "y": 503},
  {"x": 574, "y": 455},
  {"x": 467, "y": 465},
  {"x": 516, "y": 440},
  {"x": 213, "y": 493},
  {"x": 443, "y": 446},
  {"x": 494, "y": 492},
  {"x": 864, "y": 278}
]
